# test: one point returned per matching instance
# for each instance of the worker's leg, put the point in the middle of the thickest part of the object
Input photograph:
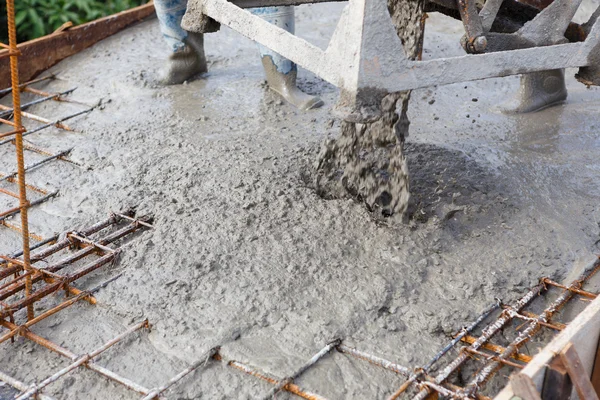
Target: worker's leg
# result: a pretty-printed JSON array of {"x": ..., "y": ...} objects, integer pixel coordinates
[
  {"x": 187, "y": 48},
  {"x": 281, "y": 72},
  {"x": 538, "y": 90}
]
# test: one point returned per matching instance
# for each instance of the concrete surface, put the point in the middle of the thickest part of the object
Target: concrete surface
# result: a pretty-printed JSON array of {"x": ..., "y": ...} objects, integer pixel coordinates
[{"x": 245, "y": 254}]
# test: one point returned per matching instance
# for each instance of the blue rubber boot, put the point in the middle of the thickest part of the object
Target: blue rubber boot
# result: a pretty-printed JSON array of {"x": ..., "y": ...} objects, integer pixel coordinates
[
  {"x": 281, "y": 73},
  {"x": 187, "y": 48}
]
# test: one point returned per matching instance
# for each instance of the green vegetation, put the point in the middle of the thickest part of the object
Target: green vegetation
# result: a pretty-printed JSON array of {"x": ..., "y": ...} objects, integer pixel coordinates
[{"x": 37, "y": 18}]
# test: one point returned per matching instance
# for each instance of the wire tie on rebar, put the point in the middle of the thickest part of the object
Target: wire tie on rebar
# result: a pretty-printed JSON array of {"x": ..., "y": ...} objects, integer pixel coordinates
[{"x": 137, "y": 221}]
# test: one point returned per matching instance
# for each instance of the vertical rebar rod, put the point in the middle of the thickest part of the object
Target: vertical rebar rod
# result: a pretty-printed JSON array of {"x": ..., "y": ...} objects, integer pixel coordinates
[{"x": 16, "y": 95}]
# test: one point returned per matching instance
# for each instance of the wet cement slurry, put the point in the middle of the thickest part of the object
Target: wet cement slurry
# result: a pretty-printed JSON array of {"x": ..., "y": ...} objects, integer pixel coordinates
[{"x": 247, "y": 255}]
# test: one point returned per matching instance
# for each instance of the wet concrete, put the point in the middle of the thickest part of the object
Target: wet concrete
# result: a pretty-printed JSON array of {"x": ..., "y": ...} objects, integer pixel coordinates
[{"x": 246, "y": 254}]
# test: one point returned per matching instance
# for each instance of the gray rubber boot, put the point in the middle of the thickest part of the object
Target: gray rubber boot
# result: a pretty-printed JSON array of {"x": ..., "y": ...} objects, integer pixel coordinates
[
  {"x": 538, "y": 90},
  {"x": 281, "y": 73},
  {"x": 185, "y": 63},
  {"x": 285, "y": 85}
]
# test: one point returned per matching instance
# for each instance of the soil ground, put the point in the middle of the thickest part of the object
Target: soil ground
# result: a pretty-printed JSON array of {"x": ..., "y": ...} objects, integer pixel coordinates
[{"x": 246, "y": 255}]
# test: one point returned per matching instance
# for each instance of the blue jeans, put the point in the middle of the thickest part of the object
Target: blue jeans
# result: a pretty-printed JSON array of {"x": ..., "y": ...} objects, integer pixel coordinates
[{"x": 170, "y": 13}]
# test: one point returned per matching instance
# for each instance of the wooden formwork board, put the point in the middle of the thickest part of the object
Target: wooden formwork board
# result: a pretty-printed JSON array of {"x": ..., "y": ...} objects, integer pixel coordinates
[{"x": 40, "y": 54}]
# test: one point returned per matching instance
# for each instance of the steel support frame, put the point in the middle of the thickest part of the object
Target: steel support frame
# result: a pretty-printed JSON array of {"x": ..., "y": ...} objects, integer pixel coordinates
[{"x": 365, "y": 57}]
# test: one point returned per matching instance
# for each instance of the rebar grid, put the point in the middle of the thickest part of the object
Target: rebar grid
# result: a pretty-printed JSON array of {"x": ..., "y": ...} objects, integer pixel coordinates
[
  {"x": 17, "y": 132},
  {"x": 419, "y": 378},
  {"x": 48, "y": 280}
]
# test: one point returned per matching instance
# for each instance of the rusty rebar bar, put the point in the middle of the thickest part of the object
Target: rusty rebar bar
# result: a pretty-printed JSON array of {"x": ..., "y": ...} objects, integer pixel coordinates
[
  {"x": 574, "y": 290},
  {"x": 56, "y": 309},
  {"x": 82, "y": 360},
  {"x": 291, "y": 387},
  {"x": 36, "y": 164},
  {"x": 17, "y": 210},
  {"x": 59, "y": 245},
  {"x": 464, "y": 332},
  {"x": 22, "y": 85},
  {"x": 493, "y": 357},
  {"x": 533, "y": 326},
  {"x": 72, "y": 356},
  {"x": 138, "y": 220},
  {"x": 24, "y": 106},
  {"x": 206, "y": 357},
  {"x": 50, "y": 124},
  {"x": 33, "y": 247},
  {"x": 74, "y": 257},
  {"x": 35, "y": 117},
  {"x": 497, "y": 349},
  {"x": 31, "y": 298},
  {"x": 18, "y": 139},
  {"x": 487, "y": 333},
  {"x": 389, "y": 365},
  {"x": 514, "y": 314},
  {"x": 15, "y": 383},
  {"x": 65, "y": 242},
  {"x": 314, "y": 359}
]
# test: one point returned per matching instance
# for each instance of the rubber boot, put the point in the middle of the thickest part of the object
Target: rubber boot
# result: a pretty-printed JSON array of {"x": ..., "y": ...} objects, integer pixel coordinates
[
  {"x": 186, "y": 62},
  {"x": 538, "y": 90},
  {"x": 187, "y": 49},
  {"x": 281, "y": 73}
]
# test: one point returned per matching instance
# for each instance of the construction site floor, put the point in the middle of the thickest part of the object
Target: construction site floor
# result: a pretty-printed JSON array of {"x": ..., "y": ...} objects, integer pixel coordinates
[{"x": 246, "y": 255}]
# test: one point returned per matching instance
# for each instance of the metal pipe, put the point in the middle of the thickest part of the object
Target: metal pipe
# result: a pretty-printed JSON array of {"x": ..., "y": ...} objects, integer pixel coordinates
[{"x": 314, "y": 359}]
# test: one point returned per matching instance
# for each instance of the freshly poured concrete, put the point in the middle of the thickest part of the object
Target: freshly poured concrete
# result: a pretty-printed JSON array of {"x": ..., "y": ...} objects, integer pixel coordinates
[{"x": 246, "y": 255}]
